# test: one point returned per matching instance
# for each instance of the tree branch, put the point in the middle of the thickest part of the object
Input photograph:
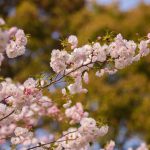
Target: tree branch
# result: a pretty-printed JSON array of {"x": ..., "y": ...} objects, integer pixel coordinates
[
  {"x": 41, "y": 145},
  {"x": 7, "y": 115}
]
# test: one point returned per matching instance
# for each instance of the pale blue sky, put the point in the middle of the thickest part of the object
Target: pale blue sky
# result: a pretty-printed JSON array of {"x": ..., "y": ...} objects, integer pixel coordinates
[{"x": 125, "y": 4}]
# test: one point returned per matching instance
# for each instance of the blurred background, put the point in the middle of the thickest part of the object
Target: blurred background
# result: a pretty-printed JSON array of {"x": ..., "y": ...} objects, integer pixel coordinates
[{"x": 121, "y": 100}]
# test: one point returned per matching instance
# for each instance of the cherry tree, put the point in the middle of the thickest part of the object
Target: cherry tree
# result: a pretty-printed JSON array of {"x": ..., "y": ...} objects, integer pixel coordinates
[{"x": 22, "y": 105}]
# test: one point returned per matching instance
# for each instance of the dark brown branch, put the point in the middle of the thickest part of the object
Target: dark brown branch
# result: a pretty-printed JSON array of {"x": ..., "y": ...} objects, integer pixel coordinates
[
  {"x": 41, "y": 145},
  {"x": 64, "y": 75},
  {"x": 3, "y": 101},
  {"x": 7, "y": 115},
  {"x": 55, "y": 81}
]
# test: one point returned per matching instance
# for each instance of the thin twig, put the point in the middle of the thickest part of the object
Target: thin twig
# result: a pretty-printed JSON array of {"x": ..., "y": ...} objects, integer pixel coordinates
[
  {"x": 7, "y": 115},
  {"x": 41, "y": 145},
  {"x": 3, "y": 101},
  {"x": 66, "y": 75}
]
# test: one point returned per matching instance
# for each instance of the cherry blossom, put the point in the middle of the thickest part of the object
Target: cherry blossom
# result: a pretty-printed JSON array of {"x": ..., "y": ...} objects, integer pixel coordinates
[
  {"x": 22, "y": 105},
  {"x": 109, "y": 58},
  {"x": 73, "y": 41},
  {"x": 79, "y": 138},
  {"x": 76, "y": 113},
  {"x": 2, "y": 22}
]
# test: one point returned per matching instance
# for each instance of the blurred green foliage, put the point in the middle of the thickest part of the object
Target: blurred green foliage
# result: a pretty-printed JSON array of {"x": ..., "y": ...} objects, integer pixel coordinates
[{"x": 124, "y": 97}]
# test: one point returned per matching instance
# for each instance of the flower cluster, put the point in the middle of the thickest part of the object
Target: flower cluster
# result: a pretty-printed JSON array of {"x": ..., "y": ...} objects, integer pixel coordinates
[
  {"x": 23, "y": 136},
  {"x": 16, "y": 47},
  {"x": 79, "y": 138},
  {"x": 12, "y": 41},
  {"x": 106, "y": 58},
  {"x": 22, "y": 105},
  {"x": 76, "y": 113}
]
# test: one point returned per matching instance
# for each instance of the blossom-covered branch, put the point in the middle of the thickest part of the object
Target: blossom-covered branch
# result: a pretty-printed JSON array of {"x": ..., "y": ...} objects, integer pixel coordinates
[
  {"x": 104, "y": 58},
  {"x": 22, "y": 105}
]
